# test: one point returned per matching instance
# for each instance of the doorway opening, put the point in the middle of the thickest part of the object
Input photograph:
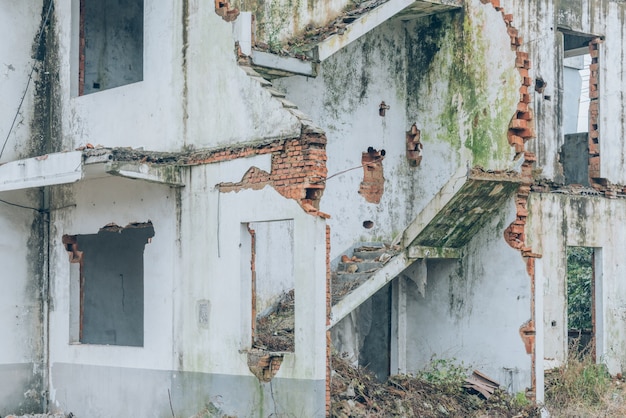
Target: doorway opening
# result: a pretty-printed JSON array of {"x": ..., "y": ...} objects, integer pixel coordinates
[{"x": 581, "y": 304}]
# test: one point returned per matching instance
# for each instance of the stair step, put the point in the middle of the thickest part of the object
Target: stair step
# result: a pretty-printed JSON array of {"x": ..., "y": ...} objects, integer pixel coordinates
[
  {"x": 369, "y": 254},
  {"x": 351, "y": 277},
  {"x": 361, "y": 267}
]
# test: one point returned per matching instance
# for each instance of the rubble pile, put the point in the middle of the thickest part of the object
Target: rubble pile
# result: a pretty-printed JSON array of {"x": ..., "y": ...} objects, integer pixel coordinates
[
  {"x": 355, "y": 392},
  {"x": 274, "y": 332}
]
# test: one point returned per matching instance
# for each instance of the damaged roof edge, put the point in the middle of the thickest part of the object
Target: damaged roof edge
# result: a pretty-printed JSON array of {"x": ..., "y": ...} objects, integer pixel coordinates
[
  {"x": 45, "y": 170},
  {"x": 376, "y": 17},
  {"x": 70, "y": 167}
]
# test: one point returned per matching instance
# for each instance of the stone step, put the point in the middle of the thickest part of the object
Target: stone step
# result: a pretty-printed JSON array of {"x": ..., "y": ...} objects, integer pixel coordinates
[
  {"x": 368, "y": 254},
  {"x": 350, "y": 277}
]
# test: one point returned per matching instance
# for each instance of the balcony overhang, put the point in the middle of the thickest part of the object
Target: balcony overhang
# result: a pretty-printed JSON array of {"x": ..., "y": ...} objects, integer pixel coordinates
[
  {"x": 70, "y": 167},
  {"x": 472, "y": 206},
  {"x": 272, "y": 65}
]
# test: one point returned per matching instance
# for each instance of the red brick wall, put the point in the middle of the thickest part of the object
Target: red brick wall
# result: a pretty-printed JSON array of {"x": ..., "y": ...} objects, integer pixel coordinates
[
  {"x": 298, "y": 168},
  {"x": 373, "y": 184}
]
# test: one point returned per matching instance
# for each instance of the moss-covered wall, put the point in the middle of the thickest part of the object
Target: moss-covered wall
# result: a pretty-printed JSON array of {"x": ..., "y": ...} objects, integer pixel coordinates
[
  {"x": 462, "y": 83},
  {"x": 278, "y": 20}
]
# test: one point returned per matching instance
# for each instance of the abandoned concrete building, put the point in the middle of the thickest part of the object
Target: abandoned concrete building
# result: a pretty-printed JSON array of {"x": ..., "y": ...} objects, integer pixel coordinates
[{"x": 200, "y": 201}]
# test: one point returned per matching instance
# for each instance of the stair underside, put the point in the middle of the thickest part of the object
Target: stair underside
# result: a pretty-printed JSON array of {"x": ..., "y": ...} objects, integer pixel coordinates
[
  {"x": 441, "y": 230},
  {"x": 338, "y": 35}
]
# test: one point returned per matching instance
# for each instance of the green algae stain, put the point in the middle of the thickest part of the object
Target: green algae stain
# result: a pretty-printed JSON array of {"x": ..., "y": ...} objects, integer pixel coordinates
[
  {"x": 475, "y": 115},
  {"x": 477, "y": 94}
]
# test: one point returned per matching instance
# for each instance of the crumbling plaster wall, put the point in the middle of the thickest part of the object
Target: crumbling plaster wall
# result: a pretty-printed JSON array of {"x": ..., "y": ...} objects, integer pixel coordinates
[
  {"x": 20, "y": 23},
  {"x": 453, "y": 74},
  {"x": 472, "y": 309},
  {"x": 102, "y": 380},
  {"x": 193, "y": 93},
  {"x": 21, "y": 320},
  {"x": 22, "y": 245},
  {"x": 216, "y": 271},
  {"x": 557, "y": 221},
  {"x": 538, "y": 21},
  {"x": 608, "y": 19}
]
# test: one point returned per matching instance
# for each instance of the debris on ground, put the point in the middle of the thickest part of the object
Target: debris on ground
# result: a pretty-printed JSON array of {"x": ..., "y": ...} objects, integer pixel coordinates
[
  {"x": 40, "y": 416},
  {"x": 275, "y": 331},
  {"x": 355, "y": 392},
  {"x": 358, "y": 269}
]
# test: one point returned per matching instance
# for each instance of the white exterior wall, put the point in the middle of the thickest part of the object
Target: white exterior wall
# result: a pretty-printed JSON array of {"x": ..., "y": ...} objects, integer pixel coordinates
[
  {"x": 75, "y": 382},
  {"x": 21, "y": 355},
  {"x": 473, "y": 308},
  {"x": 558, "y": 221},
  {"x": 388, "y": 65},
  {"x": 19, "y": 23},
  {"x": 21, "y": 250}
]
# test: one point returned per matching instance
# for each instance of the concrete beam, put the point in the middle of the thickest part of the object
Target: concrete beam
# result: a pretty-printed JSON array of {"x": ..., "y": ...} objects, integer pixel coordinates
[
  {"x": 45, "y": 170},
  {"x": 375, "y": 17},
  {"x": 275, "y": 66},
  {"x": 162, "y": 174},
  {"x": 420, "y": 251}
]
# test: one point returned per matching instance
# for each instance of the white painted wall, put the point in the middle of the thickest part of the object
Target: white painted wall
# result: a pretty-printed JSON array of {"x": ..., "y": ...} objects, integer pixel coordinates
[
  {"x": 218, "y": 270},
  {"x": 22, "y": 350},
  {"x": 273, "y": 262},
  {"x": 472, "y": 310},
  {"x": 557, "y": 221},
  {"x": 97, "y": 203},
  {"x": 19, "y": 26},
  {"x": 389, "y": 64}
]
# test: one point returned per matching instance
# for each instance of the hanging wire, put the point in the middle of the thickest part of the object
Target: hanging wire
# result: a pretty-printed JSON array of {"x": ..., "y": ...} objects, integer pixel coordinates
[{"x": 30, "y": 77}]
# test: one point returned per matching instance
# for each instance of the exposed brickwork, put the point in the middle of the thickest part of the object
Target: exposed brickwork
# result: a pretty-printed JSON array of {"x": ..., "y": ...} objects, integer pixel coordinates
[
  {"x": 373, "y": 184},
  {"x": 252, "y": 233},
  {"x": 81, "y": 49},
  {"x": 521, "y": 129},
  {"x": 298, "y": 169},
  {"x": 594, "y": 107},
  {"x": 328, "y": 310},
  {"x": 264, "y": 365},
  {"x": 414, "y": 146},
  {"x": 223, "y": 9}
]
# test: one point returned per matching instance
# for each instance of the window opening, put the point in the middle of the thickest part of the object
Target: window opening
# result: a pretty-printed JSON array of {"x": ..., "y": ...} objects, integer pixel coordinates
[
  {"x": 110, "y": 44},
  {"x": 580, "y": 299},
  {"x": 273, "y": 285},
  {"x": 575, "y": 107},
  {"x": 106, "y": 285}
]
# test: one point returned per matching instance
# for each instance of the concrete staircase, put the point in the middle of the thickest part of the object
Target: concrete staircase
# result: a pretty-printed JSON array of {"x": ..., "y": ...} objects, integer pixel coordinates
[{"x": 440, "y": 231}]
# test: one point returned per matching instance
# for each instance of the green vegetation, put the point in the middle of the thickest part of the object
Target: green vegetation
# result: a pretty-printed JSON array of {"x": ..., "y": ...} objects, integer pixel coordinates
[
  {"x": 579, "y": 278},
  {"x": 582, "y": 387}
]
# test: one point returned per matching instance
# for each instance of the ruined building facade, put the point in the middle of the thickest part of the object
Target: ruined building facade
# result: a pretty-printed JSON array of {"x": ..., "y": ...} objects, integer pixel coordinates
[{"x": 200, "y": 201}]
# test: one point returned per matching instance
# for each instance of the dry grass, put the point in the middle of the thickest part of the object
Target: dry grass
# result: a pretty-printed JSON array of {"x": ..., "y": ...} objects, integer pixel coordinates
[{"x": 582, "y": 388}]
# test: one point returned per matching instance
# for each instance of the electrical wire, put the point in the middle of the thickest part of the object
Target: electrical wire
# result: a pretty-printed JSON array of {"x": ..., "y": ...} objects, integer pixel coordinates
[
  {"x": 30, "y": 77},
  {"x": 21, "y": 206}
]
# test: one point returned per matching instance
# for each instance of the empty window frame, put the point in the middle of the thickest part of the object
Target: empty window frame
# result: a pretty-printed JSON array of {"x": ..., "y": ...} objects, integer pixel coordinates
[
  {"x": 268, "y": 272},
  {"x": 582, "y": 301},
  {"x": 106, "y": 285},
  {"x": 576, "y": 61},
  {"x": 110, "y": 44}
]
